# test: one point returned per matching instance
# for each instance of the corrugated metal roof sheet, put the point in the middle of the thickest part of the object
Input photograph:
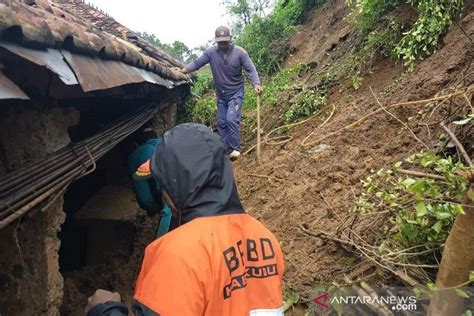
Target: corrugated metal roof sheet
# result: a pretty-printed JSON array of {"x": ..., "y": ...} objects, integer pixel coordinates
[
  {"x": 98, "y": 74},
  {"x": 49, "y": 58}
]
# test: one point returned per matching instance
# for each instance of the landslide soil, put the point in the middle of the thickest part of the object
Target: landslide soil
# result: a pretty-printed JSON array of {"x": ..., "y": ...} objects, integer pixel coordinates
[{"x": 315, "y": 186}]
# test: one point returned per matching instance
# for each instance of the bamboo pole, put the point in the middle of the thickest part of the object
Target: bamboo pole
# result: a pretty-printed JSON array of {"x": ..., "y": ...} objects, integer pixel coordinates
[{"x": 258, "y": 129}]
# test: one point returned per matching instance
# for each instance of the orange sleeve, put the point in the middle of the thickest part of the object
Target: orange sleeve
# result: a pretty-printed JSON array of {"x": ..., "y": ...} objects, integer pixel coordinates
[{"x": 170, "y": 283}]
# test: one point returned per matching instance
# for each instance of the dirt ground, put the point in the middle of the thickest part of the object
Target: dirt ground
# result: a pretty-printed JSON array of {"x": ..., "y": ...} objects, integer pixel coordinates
[
  {"x": 315, "y": 186},
  {"x": 118, "y": 274}
]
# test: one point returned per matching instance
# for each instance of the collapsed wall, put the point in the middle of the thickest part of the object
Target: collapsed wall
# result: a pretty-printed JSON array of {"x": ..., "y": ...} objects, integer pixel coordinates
[
  {"x": 29, "y": 272},
  {"x": 33, "y": 260}
]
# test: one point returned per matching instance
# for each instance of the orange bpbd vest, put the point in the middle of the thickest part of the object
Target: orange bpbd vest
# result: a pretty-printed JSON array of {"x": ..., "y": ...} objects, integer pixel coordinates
[{"x": 220, "y": 265}]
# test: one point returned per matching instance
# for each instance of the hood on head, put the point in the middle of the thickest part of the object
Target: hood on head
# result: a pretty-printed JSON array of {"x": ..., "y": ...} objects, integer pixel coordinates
[{"x": 192, "y": 166}]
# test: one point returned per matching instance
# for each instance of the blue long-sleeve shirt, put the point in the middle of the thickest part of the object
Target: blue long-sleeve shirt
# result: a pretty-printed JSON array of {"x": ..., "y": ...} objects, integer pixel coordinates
[{"x": 227, "y": 72}]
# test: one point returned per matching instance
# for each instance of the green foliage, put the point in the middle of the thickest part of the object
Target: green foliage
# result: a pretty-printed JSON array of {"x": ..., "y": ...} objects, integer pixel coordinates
[
  {"x": 423, "y": 38},
  {"x": 459, "y": 289},
  {"x": 202, "y": 111},
  {"x": 379, "y": 42},
  {"x": 244, "y": 10},
  {"x": 435, "y": 17},
  {"x": 367, "y": 13},
  {"x": 177, "y": 49},
  {"x": 201, "y": 108},
  {"x": 285, "y": 80},
  {"x": 266, "y": 38},
  {"x": 307, "y": 103},
  {"x": 422, "y": 209},
  {"x": 290, "y": 298},
  {"x": 203, "y": 83}
]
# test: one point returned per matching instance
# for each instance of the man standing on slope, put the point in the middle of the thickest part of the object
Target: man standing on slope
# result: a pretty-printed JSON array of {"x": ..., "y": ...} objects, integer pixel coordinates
[
  {"x": 227, "y": 61},
  {"x": 220, "y": 261}
]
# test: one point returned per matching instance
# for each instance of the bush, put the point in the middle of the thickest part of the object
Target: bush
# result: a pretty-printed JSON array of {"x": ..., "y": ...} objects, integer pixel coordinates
[
  {"x": 266, "y": 39},
  {"x": 202, "y": 111},
  {"x": 307, "y": 103},
  {"x": 422, "y": 209},
  {"x": 203, "y": 83},
  {"x": 435, "y": 17},
  {"x": 423, "y": 38}
]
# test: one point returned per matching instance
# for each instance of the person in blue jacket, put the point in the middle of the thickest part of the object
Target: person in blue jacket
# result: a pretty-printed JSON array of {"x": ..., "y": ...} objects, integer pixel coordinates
[
  {"x": 147, "y": 189},
  {"x": 227, "y": 61}
]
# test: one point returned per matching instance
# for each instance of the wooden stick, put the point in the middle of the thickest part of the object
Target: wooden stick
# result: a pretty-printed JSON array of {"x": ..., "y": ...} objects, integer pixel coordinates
[
  {"x": 400, "y": 121},
  {"x": 421, "y": 174},
  {"x": 264, "y": 176},
  {"x": 365, "y": 117},
  {"x": 366, "y": 287},
  {"x": 303, "y": 143},
  {"x": 408, "y": 280},
  {"x": 458, "y": 144},
  {"x": 258, "y": 128},
  {"x": 468, "y": 101}
]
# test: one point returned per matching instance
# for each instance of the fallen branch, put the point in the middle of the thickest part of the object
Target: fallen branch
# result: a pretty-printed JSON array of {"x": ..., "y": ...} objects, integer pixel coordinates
[
  {"x": 266, "y": 139},
  {"x": 373, "y": 304},
  {"x": 325, "y": 235},
  {"x": 264, "y": 176},
  {"x": 468, "y": 102},
  {"x": 458, "y": 144},
  {"x": 365, "y": 117},
  {"x": 400, "y": 121},
  {"x": 249, "y": 150},
  {"x": 421, "y": 174},
  {"x": 314, "y": 130},
  {"x": 408, "y": 280}
]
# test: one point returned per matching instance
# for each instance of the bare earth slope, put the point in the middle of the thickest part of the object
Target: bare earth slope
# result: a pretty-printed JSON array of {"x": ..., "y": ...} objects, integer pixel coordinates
[{"x": 315, "y": 186}]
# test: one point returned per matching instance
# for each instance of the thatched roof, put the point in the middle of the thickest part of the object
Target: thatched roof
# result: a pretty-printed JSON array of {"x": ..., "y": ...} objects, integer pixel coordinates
[{"x": 78, "y": 29}]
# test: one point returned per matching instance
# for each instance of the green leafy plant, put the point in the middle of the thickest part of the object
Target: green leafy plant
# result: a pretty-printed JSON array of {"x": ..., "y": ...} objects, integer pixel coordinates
[
  {"x": 203, "y": 111},
  {"x": 422, "y": 39},
  {"x": 377, "y": 43},
  {"x": 266, "y": 37},
  {"x": 367, "y": 13},
  {"x": 203, "y": 83},
  {"x": 284, "y": 80},
  {"x": 290, "y": 298},
  {"x": 307, "y": 103},
  {"x": 434, "y": 19},
  {"x": 421, "y": 209}
]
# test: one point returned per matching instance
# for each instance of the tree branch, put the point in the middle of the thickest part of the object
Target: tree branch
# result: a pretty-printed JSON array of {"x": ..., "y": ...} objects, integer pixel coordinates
[{"x": 458, "y": 144}]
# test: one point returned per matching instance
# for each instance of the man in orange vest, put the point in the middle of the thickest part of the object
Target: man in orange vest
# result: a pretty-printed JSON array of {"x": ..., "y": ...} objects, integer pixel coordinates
[{"x": 220, "y": 260}]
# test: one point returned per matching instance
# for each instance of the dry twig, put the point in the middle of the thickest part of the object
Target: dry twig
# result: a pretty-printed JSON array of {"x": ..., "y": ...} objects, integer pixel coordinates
[
  {"x": 421, "y": 174},
  {"x": 313, "y": 131},
  {"x": 267, "y": 139},
  {"x": 458, "y": 144},
  {"x": 365, "y": 117},
  {"x": 264, "y": 176},
  {"x": 400, "y": 121}
]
